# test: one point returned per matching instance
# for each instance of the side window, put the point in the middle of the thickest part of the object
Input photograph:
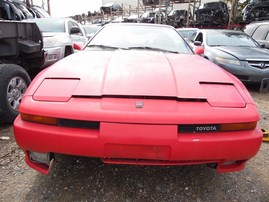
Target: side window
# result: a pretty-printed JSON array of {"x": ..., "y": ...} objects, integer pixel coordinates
[
  {"x": 69, "y": 25},
  {"x": 199, "y": 37},
  {"x": 260, "y": 32}
]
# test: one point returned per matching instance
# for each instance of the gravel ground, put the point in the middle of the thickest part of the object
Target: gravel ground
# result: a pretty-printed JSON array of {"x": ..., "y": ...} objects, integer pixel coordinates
[{"x": 85, "y": 179}]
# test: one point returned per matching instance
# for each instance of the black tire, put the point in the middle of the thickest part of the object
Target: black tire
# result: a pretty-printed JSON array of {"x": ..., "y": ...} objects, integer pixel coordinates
[{"x": 14, "y": 81}]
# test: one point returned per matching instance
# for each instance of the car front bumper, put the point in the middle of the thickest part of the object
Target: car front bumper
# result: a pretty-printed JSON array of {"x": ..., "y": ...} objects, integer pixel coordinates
[
  {"x": 140, "y": 144},
  {"x": 246, "y": 73}
]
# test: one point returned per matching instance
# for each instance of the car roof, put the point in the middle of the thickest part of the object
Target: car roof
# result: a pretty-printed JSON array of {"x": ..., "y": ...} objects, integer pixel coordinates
[
  {"x": 139, "y": 24},
  {"x": 221, "y": 31}
]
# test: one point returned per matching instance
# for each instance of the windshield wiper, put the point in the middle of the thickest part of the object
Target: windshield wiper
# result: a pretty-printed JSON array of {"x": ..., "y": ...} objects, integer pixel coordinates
[
  {"x": 151, "y": 48},
  {"x": 104, "y": 47}
]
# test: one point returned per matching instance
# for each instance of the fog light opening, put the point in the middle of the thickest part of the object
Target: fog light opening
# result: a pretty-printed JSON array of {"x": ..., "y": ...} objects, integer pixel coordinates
[{"x": 44, "y": 158}]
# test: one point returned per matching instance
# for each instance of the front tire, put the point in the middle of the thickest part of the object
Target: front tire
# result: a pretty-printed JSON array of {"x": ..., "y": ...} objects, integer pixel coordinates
[{"x": 14, "y": 81}]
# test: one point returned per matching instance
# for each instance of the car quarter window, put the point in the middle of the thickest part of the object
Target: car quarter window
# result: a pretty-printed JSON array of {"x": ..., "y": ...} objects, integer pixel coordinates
[{"x": 260, "y": 32}]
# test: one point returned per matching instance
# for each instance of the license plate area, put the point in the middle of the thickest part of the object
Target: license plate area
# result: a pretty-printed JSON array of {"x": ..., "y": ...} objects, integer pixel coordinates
[{"x": 137, "y": 151}]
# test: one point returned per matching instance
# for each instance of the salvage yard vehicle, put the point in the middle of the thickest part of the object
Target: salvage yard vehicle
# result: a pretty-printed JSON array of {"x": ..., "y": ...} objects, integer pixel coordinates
[
  {"x": 237, "y": 53},
  {"x": 256, "y": 10},
  {"x": 137, "y": 94},
  {"x": 212, "y": 14},
  {"x": 21, "y": 55},
  {"x": 59, "y": 35},
  {"x": 178, "y": 18}
]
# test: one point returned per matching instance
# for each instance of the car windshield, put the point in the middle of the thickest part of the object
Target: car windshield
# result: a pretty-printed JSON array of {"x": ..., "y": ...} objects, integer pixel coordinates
[
  {"x": 133, "y": 36},
  {"x": 50, "y": 24},
  {"x": 229, "y": 39}
]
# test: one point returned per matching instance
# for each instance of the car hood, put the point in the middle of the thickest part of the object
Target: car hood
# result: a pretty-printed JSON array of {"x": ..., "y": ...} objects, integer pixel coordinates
[
  {"x": 245, "y": 53},
  {"x": 136, "y": 73}
]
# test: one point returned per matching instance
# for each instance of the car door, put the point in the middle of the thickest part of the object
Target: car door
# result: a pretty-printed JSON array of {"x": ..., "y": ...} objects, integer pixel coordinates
[{"x": 261, "y": 35}]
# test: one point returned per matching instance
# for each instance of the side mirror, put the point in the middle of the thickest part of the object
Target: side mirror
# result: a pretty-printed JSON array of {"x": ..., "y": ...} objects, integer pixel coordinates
[
  {"x": 74, "y": 30},
  {"x": 78, "y": 46},
  {"x": 197, "y": 43},
  {"x": 199, "y": 50}
]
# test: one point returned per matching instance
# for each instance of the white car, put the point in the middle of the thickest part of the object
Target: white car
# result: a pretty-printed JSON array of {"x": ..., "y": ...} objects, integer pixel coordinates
[{"x": 59, "y": 36}]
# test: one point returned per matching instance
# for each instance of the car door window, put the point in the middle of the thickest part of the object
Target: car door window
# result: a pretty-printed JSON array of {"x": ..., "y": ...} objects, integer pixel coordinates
[{"x": 260, "y": 32}]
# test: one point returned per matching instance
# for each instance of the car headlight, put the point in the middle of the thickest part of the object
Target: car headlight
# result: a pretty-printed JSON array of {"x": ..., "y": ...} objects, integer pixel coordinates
[
  {"x": 227, "y": 60},
  {"x": 50, "y": 42}
]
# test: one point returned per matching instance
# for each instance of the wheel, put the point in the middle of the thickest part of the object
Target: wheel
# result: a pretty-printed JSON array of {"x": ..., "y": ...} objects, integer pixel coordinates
[{"x": 14, "y": 81}]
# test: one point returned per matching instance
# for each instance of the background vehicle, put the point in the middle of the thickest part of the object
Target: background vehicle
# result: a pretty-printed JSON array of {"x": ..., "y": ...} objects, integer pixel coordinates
[
  {"x": 259, "y": 31},
  {"x": 213, "y": 13},
  {"x": 237, "y": 53},
  {"x": 21, "y": 56},
  {"x": 256, "y": 10},
  {"x": 59, "y": 35},
  {"x": 178, "y": 18},
  {"x": 16, "y": 10}
]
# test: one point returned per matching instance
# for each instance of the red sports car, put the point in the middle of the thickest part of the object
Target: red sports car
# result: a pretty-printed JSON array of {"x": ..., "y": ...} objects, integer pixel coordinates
[{"x": 137, "y": 94}]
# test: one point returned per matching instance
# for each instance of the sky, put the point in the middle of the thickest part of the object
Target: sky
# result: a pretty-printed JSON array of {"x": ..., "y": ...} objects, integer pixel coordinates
[{"x": 65, "y": 8}]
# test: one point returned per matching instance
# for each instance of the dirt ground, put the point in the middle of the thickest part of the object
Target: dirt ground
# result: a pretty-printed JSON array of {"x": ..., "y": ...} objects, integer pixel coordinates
[{"x": 84, "y": 179}]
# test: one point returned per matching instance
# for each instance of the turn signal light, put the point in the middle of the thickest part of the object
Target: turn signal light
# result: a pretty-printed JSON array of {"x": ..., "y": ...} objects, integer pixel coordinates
[
  {"x": 39, "y": 119},
  {"x": 238, "y": 126}
]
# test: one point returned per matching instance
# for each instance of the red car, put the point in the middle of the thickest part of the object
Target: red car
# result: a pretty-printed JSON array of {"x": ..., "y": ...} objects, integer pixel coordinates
[{"x": 137, "y": 94}]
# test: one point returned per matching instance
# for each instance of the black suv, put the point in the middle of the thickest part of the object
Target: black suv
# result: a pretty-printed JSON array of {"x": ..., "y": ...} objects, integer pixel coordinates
[
  {"x": 259, "y": 31},
  {"x": 213, "y": 13},
  {"x": 256, "y": 10}
]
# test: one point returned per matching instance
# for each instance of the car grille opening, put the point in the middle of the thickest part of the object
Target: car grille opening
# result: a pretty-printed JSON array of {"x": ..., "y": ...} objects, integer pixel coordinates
[{"x": 258, "y": 64}]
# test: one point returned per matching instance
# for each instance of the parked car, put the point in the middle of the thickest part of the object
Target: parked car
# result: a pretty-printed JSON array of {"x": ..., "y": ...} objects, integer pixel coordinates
[
  {"x": 259, "y": 31},
  {"x": 213, "y": 13},
  {"x": 256, "y": 10},
  {"x": 178, "y": 18},
  {"x": 59, "y": 36},
  {"x": 148, "y": 17},
  {"x": 137, "y": 94},
  {"x": 111, "y": 7},
  {"x": 237, "y": 53}
]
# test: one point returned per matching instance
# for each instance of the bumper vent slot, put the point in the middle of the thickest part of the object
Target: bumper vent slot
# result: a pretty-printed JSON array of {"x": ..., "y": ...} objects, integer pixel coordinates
[{"x": 79, "y": 124}]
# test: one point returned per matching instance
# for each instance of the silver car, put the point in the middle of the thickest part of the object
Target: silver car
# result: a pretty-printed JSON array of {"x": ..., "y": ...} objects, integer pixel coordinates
[
  {"x": 237, "y": 53},
  {"x": 59, "y": 36}
]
